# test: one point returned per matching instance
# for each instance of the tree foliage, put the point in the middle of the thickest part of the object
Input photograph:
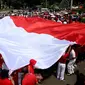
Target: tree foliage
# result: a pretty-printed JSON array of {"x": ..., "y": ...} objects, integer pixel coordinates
[{"x": 29, "y": 3}]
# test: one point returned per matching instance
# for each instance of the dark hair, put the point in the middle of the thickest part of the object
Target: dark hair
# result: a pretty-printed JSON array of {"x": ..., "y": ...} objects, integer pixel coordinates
[
  {"x": 4, "y": 74},
  {"x": 25, "y": 70},
  {"x": 68, "y": 49},
  {"x": 0, "y": 72}
]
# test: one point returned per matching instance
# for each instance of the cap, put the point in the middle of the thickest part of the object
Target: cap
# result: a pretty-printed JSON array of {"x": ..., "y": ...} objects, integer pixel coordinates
[{"x": 33, "y": 62}]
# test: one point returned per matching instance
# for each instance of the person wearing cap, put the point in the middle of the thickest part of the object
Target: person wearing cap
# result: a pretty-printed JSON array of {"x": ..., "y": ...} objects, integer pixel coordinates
[
  {"x": 29, "y": 78},
  {"x": 31, "y": 66}
]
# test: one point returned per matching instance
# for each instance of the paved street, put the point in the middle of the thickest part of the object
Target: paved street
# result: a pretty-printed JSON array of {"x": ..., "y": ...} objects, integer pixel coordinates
[{"x": 68, "y": 79}]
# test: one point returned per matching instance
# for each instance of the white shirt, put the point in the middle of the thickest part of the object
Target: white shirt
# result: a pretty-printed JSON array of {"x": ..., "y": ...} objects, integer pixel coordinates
[{"x": 72, "y": 54}]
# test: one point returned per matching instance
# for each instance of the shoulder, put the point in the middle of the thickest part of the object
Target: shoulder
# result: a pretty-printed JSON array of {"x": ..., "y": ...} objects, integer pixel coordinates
[{"x": 6, "y": 81}]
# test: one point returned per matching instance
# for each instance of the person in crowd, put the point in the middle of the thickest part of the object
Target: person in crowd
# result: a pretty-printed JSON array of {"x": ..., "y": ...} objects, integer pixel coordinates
[
  {"x": 5, "y": 79},
  {"x": 31, "y": 68},
  {"x": 39, "y": 77},
  {"x": 15, "y": 77},
  {"x": 58, "y": 20},
  {"x": 29, "y": 78},
  {"x": 64, "y": 22},
  {"x": 62, "y": 64},
  {"x": 72, "y": 59}
]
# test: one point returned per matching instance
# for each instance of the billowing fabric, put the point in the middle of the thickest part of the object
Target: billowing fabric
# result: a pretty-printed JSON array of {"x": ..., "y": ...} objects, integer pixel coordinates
[
  {"x": 73, "y": 32},
  {"x": 22, "y": 39}
]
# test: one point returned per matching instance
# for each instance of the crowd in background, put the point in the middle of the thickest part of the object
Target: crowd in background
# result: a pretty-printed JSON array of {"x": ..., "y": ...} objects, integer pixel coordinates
[{"x": 64, "y": 16}]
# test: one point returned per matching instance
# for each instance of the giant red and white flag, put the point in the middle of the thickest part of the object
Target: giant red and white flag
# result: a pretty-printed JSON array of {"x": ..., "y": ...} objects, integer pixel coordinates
[{"x": 22, "y": 39}]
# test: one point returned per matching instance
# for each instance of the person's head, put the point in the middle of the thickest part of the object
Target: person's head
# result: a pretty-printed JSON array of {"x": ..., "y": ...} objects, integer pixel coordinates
[
  {"x": 32, "y": 62},
  {"x": 4, "y": 74},
  {"x": 74, "y": 46},
  {"x": 70, "y": 47}
]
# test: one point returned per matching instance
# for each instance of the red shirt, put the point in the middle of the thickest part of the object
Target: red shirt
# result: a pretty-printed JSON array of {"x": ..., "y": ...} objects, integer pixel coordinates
[
  {"x": 64, "y": 58},
  {"x": 31, "y": 66},
  {"x": 29, "y": 79},
  {"x": 30, "y": 69},
  {"x": 5, "y": 81}
]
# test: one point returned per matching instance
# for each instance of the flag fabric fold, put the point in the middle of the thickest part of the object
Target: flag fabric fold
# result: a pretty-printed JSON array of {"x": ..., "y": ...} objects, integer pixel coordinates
[{"x": 22, "y": 39}]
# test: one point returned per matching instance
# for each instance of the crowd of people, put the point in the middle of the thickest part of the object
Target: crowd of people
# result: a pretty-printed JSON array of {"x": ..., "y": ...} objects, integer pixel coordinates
[
  {"x": 31, "y": 75},
  {"x": 23, "y": 76},
  {"x": 64, "y": 16},
  {"x": 69, "y": 55}
]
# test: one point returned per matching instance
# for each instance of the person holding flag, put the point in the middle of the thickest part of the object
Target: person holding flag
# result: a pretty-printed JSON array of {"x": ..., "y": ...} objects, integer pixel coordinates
[{"x": 62, "y": 64}]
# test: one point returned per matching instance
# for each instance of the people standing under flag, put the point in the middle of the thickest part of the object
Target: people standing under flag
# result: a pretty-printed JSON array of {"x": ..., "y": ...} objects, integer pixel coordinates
[
  {"x": 31, "y": 66},
  {"x": 62, "y": 64},
  {"x": 72, "y": 60},
  {"x": 15, "y": 77},
  {"x": 5, "y": 79},
  {"x": 29, "y": 78}
]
